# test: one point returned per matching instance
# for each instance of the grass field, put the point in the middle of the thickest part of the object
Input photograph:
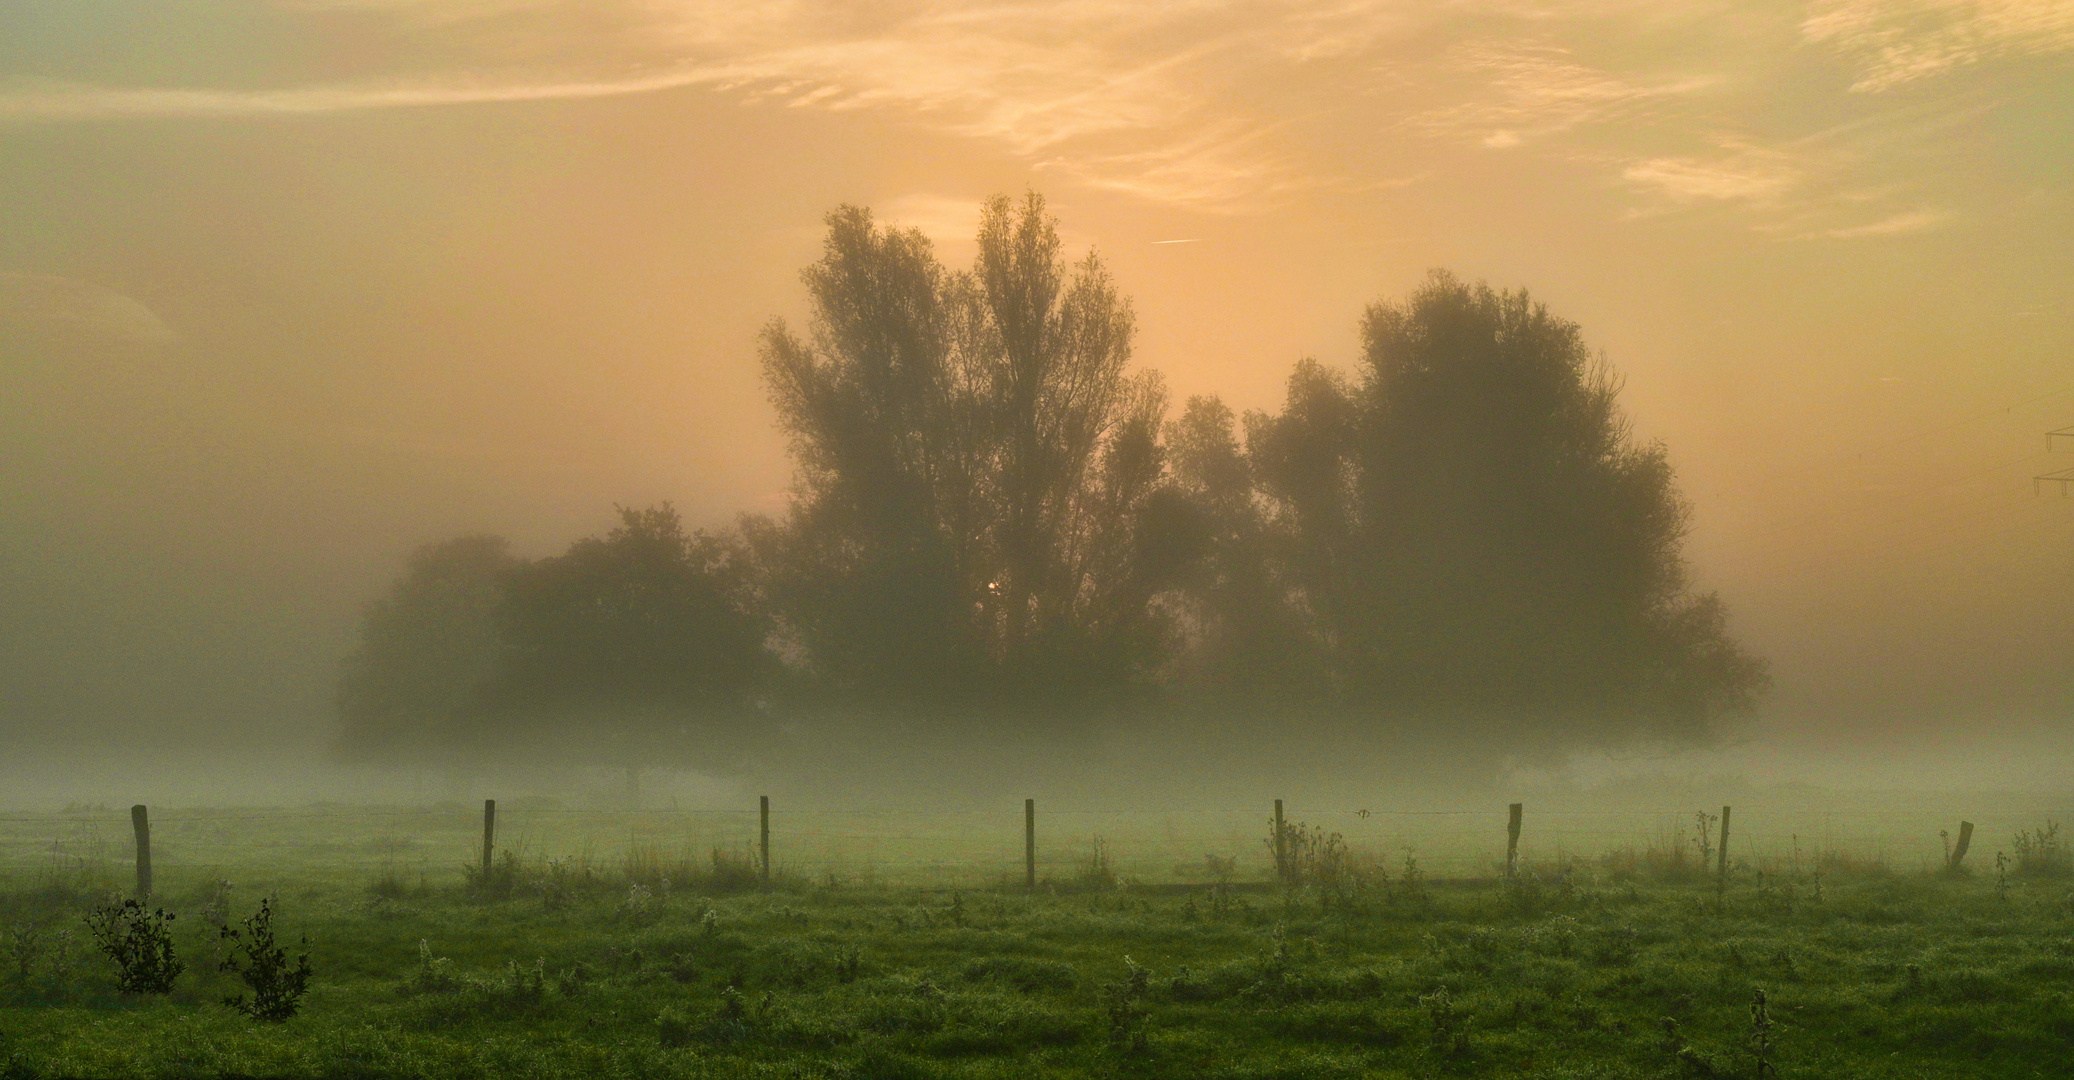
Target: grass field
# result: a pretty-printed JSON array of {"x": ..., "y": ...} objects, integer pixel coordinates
[{"x": 663, "y": 960}]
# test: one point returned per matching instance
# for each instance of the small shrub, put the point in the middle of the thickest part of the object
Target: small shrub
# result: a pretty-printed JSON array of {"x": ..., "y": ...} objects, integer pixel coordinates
[
  {"x": 1761, "y": 1035},
  {"x": 433, "y": 976},
  {"x": 497, "y": 880},
  {"x": 1411, "y": 882},
  {"x": 733, "y": 871},
  {"x": 2041, "y": 853},
  {"x": 1123, "y": 1010},
  {"x": 141, "y": 944},
  {"x": 277, "y": 988},
  {"x": 573, "y": 981},
  {"x": 849, "y": 960},
  {"x": 641, "y": 905},
  {"x": 389, "y": 886},
  {"x": 524, "y": 985},
  {"x": 1450, "y": 1028},
  {"x": 1096, "y": 872}
]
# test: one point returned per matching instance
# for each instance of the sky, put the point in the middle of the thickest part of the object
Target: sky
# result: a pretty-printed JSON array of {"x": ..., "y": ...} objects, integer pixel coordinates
[{"x": 290, "y": 287}]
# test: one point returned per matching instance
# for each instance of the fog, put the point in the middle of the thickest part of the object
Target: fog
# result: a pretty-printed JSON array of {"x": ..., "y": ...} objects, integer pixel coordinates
[{"x": 287, "y": 291}]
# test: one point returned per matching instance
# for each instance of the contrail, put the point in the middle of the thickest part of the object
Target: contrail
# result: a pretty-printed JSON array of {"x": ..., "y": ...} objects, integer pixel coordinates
[{"x": 1194, "y": 240}]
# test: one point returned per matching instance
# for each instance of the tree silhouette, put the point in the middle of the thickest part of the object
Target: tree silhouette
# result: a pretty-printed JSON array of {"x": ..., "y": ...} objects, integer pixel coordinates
[
  {"x": 1481, "y": 541},
  {"x": 976, "y": 474},
  {"x": 425, "y": 651},
  {"x": 629, "y": 650}
]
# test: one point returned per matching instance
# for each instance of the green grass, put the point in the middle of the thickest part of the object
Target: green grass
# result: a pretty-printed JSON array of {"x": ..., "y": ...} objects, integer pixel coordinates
[{"x": 1609, "y": 969}]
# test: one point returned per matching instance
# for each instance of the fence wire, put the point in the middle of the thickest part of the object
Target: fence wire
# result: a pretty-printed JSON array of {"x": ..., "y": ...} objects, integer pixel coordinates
[{"x": 978, "y": 847}]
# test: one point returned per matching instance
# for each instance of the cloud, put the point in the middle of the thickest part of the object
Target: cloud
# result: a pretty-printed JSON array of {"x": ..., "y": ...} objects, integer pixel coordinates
[
  {"x": 42, "y": 303},
  {"x": 49, "y": 101},
  {"x": 1745, "y": 173},
  {"x": 1533, "y": 90},
  {"x": 1209, "y": 105},
  {"x": 1901, "y": 41},
  {"x": 1908, "y": 221}
]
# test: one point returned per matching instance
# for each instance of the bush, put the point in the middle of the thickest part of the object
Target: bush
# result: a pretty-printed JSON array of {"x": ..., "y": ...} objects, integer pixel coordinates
[
  {"x": 277, "y": 988},
  {"x": 2041, "y": 853},
  {"x": 141, "y": 944}
]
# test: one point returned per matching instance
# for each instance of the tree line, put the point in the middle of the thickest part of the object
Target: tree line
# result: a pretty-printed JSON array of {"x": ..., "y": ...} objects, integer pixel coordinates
[{"x": 1000, "y": 533}]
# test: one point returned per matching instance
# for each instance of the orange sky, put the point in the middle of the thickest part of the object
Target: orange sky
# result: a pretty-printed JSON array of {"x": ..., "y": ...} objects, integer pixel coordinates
[{"x": 286, "y": 288}]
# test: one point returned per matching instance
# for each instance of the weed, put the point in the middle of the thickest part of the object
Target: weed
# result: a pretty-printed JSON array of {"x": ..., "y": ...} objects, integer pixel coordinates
[
  {"x": 141, "y": 944},
  {"x": 389, "y": 886},
  {"x": 1311, "y": 856},
  {"x": 1449, "y": 1025},
  {"x": 277, "y": 988},
  {"x": 433, "y": 975},
  {"x": 640, "y": 906},
  {"x": 1411, "y": 881},
  {"x": 849, "y": 960},
  {"x": 1096, "y": 872},
  {"x": 2001, "y": 876},
  {"x": 524, "y": 985},
  {"x": 574, "y": 980},
  {"x": 2041, "y": 853},
  {"x": 1761, "y": 1035},
  {"x": 26, "y": 944},
  {"x": 1123, "y": 1010},
  {"x": 496, "y": 880},
  {"x": 734, "y": 870},
  {"x": 1703, "y": 836}
]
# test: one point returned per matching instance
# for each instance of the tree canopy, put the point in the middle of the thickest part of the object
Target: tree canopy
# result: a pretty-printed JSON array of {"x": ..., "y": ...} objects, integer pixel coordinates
[
  {"x": 425, "y": 652},
  {"x": 976, "y": 473},
  {"x": 630, "y": 649},
  {"x": 1473, "y": 535},
  {"x": 999, "y": 529}
]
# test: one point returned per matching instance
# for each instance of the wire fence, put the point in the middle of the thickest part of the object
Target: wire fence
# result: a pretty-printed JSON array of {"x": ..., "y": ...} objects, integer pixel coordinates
[{"x": 981, "y": 847}]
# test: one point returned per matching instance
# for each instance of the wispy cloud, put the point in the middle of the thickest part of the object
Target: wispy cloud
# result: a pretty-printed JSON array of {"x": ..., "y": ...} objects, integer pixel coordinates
[
  {"x": 1900, "y": 41},
  {"x": 48, "y": 101},
  {"x": 1534, "y": 90},
  {"x": 43, "y": 302},
  {"x": 1213, "y": 105},
  {"x": 1741, "y": 172},
  {"x": 1908, "y": 221}
]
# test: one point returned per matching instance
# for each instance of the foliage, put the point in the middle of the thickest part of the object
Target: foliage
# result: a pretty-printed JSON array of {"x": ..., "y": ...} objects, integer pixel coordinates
[
  {"x": 140, "y": 943},
  {"x": 424, "y": 653},
  {"x": 976, "y": 519},
  {"x": 277, "y": 987},
  {"x": 1473, "y": 535},
  {"x": 999, "y": 534},
  {"x": 1912, "y": 974},
  {"x": 630, "y": 649},
  {"x": 2040, "y": 852}
]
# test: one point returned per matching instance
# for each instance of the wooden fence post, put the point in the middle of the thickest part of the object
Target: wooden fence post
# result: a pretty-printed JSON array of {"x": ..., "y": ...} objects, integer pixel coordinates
[
  {"x": 1959, "y": 850},
  {"x": 140, "y": 820},
  {"x": 1281, "y": 853},
  {"x": 763, "y": 841},
  {"x": 1721, "y": 871},
  {"x": 1512, "y": 840},
  {"x": 489, "y": 837},
  {"x": 1030, "y": 844}
]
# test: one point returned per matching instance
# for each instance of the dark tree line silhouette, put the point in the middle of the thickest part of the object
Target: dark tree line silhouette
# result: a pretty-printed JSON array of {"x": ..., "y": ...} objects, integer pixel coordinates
[{"x": 999, "y": 535}]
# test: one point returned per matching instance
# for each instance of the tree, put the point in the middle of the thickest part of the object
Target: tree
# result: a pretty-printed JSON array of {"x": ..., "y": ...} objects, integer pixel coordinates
[
  {"x": 629, "y": 650},
  {"x": 1246, "y": 640},
  {"x": 1481, "y": 543},
  {"x": 976, "y": 473},
  {"x": 425, "y": 651}
]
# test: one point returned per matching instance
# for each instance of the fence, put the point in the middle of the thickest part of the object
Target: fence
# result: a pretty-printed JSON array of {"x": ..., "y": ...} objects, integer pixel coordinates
[{"x": 1009, "y": 847}]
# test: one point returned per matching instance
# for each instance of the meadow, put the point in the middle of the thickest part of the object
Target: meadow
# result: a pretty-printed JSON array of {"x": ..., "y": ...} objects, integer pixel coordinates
[{"x": 649, "y": 945}]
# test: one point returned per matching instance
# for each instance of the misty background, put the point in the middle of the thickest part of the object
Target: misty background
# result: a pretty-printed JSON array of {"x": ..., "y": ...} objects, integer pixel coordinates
[{"x": 287, "y": 290}]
